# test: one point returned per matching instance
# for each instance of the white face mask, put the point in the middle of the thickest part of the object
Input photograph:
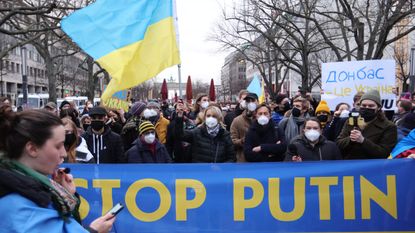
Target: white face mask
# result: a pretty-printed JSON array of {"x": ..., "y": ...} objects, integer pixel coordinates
[
  {"x": 263, "y": 120},
  {"x": 147, "y": 113},
  {"x": 211, "y": 122},
  {"x": 243, "y": 104},
  {"x": 312, "y": 135},
  {"x": 149, "y": 138},
  {"x": 344, "y": 114},
  {"x": 396, "y": 110},
  {"x": 153, "y": 112},
  {"x": 251, "y": 106},
  {"x": 204, "y": 104}
]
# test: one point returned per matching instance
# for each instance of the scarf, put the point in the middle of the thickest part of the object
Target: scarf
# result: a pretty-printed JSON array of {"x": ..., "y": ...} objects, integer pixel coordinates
[
  {"x": 63, "y": 201},
  {"x": 292, "y": 128},
  {"x": 213, "y": 132}
]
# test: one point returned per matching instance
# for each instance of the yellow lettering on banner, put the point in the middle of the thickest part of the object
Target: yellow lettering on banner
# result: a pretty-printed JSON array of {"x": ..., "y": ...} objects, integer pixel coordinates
[
  {"x": 239, "y": 201},
  {"x": 165, "y": 200},
  {"x": 84, "y": 207},
  {"x": 106, "y": 186},
  {"x": 324, "y": 184},
  {"x": 182, "y": 204},
  {"x": 349, "y": 200},
  {"x": 370, "y": 192},
  {"x": 274, "y": 199}
]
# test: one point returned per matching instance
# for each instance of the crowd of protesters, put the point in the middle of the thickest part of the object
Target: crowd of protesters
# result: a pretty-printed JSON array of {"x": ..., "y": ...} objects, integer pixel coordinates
[{"x": 285, "y": 129}]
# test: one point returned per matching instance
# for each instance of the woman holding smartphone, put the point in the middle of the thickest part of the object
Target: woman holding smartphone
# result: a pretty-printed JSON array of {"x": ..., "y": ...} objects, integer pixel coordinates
[{"x": 33, "y": 148}]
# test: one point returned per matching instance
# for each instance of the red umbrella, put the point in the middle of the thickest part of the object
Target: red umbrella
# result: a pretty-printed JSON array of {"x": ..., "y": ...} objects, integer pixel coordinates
[
  {"x": 212, "y": 93},
  {"x": 164, "y": 91},
  {"x": 189, "y": 90}
]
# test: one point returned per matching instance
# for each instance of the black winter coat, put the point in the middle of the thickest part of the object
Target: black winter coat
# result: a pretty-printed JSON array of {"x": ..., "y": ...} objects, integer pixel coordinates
[
  {"x": 140, "y": 153},
  {"x": 106, "y": 148},
  {"x": 231, "y": 116},
  {"x": 323, "y": 150},
  {"x": 267, "y": 137},
  {"x": 179, "y": 150},
  {"x": 206, "y": 149}
]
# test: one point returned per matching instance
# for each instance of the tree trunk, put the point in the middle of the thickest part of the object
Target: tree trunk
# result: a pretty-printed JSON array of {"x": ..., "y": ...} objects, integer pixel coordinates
[
  {"x": 91, "y": 84},
  {"x": 51, "y": 78}
]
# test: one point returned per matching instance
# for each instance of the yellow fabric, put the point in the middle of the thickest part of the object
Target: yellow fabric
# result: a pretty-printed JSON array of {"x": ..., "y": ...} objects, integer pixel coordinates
[
  {"x": 323, "y": 107},
  {"x": 262, "y": 97},
  {"x": 140, "y": 61},
  {"x": 161, "y": 129},
  {"x": 145, "y": 126}
]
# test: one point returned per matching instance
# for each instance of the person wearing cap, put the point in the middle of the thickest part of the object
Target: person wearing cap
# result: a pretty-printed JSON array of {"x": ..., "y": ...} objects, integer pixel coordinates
[
  {"x": 51, "y": 107},
  {"x": 293, "y": 122},
  {"x": 146, "y": 148},
  {"x": 129, "y": 132},
  {"x": 323, "y": 113},
  {"x": 65, "y": 105},
  {"x": 105, "y": 145},
  {"x": 374, "y": 138},
  {"x": 239, "y": 109},
  {"x": 241, "y": 124},
  {"x": 152, "y": 114}
]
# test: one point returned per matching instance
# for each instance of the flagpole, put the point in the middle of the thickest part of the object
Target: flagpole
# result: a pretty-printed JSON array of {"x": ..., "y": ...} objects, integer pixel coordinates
[{"x": 180, "y": 80}]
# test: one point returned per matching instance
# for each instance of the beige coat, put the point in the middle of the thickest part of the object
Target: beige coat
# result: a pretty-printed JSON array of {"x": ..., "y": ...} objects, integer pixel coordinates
[{"x": 239, "y": 128}]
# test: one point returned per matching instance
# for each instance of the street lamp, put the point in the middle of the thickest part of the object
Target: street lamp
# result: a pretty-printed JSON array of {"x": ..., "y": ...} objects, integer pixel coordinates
[
  {"x": 24, "y": 75},
  {"x": 412, "y": 71}
]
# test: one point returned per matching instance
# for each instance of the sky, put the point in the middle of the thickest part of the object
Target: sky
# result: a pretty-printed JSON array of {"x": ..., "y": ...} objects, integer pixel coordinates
[{"x": 201, "y": 59}]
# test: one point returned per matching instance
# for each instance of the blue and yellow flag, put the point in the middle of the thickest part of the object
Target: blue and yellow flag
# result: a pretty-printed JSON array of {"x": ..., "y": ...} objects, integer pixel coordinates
[{"x": 133, "y": 40}]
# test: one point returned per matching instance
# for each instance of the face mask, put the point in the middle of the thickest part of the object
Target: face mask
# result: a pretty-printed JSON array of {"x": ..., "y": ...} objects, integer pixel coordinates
[
  {"x": 85, "y": 126},
  {"x": 153, "y": 113},
  {"x": 90, "y": 106},
  {"x": 396, "y": 110},
  {"x": 211, "y": 122},
  {"x": 204, "y": 104},
  {"x": 312, "y": 135},
  {"x": 69, "y": 140},
  {"x": 344, "y": 114},
  {"x": 147, "y": 113},
  {"x": 263, "y": 120},
  {"x": 296, "y": 112},
  {"x": 97, "y": 125},
  {"x": 251, "y": 107},
  {"x": 368, "y": 114},
  {"x": 149, "y": 138},
  {"x": 323, "y": 118},
  {"x": 242, "y": 104}
]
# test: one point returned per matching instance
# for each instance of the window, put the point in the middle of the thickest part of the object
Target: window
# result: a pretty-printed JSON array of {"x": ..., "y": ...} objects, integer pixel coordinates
[
  {"x": 31, "y": 71},
  {"x": 7, "y": 65},
  {"x": 30, "y": 54},
  {"x": 12, "y": 66},
  {"x": 17, "y": 68}
]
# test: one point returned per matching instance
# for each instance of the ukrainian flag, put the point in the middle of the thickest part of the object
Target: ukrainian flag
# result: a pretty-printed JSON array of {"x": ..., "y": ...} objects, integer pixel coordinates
[{"x": 133, "y": 40}]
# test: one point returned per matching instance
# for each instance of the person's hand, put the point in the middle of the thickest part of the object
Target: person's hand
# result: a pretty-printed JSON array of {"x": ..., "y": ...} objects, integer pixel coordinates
[
  {"x": 66, "y": 180},
  {"x": 337, "y": 113},
  {"x": 297, "y": 158},
  {"x": 411, "y": 156},
  {"x": 356, "y": 136},
  {"x": 279, "y": 142},
  {"x": 104, "y": 223},
  {"x": 256, "y": 149}
]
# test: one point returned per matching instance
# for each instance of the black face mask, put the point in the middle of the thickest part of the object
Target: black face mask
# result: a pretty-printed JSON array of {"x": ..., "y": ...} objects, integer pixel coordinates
[
  {"x": 296, "y": 112},
  {"x": 97, "y": 125},
  {"x": 69, "y": 140},
  {"x": 323, "y": 118},
  {"x": 85, "y": 126},
  {"x": 368, "y": 114}
]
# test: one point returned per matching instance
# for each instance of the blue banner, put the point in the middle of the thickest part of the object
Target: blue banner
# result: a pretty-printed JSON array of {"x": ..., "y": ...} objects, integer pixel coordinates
[{"x": 338, "y": 196}]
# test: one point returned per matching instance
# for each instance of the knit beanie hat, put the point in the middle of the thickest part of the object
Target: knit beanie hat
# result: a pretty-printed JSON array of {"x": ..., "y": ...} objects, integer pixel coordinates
[
  {"x": 137, "y": 108},
  {"x": 145, "y": 126},
  {"x": 153, "y": 104},
  {"x": 372, "y": 95},
  {"x": 323, "y": 107},
  {"x": 65, "y": 102}
]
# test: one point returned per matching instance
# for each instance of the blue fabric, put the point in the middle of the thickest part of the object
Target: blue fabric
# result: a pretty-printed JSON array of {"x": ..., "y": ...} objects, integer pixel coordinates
[
  {"x": 406, "y": 143},
  {"x": 108, "y": 25},
  {"x": 276, "y": 117},
  {"x": 19, "y": 215}
]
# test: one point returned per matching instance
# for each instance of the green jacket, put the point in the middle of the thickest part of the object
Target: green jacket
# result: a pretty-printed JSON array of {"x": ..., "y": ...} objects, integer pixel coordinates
[{"x": 380, "y": 138}]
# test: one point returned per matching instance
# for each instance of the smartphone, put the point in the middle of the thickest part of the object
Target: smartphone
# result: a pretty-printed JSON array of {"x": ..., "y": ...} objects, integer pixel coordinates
[{"x": 116, "y": 209}]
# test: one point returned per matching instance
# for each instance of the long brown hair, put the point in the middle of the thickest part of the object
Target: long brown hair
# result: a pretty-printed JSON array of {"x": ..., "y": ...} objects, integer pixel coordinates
[{"x": 71, "y": 151}]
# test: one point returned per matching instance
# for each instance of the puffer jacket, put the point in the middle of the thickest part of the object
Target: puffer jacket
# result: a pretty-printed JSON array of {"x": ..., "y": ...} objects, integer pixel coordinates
[
  {"x": 323, "y": 150},
  {"x": 206, "y": 149},
  {"x": 106, "y": 147},
  {"x": 140, "y": 153}
]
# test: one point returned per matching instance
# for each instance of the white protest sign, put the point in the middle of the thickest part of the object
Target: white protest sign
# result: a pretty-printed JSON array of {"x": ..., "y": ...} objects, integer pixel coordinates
[{"x": 342, "y": 80}]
